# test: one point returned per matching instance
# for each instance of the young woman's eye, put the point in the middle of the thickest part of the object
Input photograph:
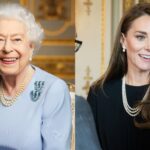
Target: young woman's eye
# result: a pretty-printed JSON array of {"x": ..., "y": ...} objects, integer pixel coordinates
[{"x": 140, "y": 37}]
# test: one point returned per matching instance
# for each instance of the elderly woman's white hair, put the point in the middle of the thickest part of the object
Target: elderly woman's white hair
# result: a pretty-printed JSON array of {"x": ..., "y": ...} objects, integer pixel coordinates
[{"x": 18, "y": 12}]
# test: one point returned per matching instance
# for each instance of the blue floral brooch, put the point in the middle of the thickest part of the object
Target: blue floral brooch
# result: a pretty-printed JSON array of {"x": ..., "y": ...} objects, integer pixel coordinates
[{"x": 35, "y": 94}]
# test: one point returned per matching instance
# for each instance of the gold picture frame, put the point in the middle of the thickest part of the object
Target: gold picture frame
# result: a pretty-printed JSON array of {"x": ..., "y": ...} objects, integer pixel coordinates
[{"x": 56, "y": 24}]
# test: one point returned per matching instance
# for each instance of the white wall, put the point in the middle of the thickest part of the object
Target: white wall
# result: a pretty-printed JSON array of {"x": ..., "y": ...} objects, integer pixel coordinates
[
  {"x": 88, "y": 31},
  {"x": 95, "y": 30}
]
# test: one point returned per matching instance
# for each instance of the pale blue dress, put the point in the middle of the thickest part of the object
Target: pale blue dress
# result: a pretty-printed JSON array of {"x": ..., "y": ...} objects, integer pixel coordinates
[{"x": 40, "y": 119}]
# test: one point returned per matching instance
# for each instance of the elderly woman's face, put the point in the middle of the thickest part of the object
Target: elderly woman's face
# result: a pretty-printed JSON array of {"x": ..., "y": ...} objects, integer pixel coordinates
[
  {"x": 137, "y": 44},
  {"x": 15, "y": 48}
]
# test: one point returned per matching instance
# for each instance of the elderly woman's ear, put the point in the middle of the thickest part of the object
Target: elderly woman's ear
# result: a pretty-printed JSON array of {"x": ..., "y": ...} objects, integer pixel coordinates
[{"x": 32, "y": 47}]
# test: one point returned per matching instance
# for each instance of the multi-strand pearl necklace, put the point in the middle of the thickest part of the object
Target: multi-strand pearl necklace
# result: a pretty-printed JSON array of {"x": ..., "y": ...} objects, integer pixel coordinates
[
  {"x": 131, "y": 111},
  {"x": 8, "y": 101}
]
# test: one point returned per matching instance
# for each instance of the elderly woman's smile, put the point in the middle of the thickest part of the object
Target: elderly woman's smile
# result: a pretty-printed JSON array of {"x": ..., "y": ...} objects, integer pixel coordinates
[{"x": 9, "y": 60}]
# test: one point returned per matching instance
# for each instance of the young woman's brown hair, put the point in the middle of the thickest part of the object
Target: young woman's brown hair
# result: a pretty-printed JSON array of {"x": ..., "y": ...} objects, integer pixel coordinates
[{"x": 118, "y": 65}]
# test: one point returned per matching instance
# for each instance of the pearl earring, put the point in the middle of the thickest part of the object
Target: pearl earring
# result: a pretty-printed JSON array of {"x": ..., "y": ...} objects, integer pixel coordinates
[
  {"x": 124, "y": 50},
  {"x": 30, "y": 58}
]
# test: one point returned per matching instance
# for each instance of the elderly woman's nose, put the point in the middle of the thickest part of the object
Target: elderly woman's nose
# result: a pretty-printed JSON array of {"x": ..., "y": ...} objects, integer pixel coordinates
[{"x": 7, "y": 46}]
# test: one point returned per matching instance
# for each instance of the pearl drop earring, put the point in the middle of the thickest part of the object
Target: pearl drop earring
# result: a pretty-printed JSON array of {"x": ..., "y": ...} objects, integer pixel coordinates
[
  {"x": 30, "y": 58},
  {"x": 124, "y": 50}
]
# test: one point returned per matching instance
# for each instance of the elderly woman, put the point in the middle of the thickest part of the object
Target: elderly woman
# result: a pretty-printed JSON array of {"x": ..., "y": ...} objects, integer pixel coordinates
[{"x": 35, "y": 105}]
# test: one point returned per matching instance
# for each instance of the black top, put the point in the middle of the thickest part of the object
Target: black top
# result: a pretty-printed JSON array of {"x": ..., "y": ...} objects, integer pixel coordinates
[{"x": 115, "y": 128}]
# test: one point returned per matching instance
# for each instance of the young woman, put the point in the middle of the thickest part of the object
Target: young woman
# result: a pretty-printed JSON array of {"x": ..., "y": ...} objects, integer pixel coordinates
[
  {"x": 120, "y": 99},
  {"x": 34, "y": 105}
]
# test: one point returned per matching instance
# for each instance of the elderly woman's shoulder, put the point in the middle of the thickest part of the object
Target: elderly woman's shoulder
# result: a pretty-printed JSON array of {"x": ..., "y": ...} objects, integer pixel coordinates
[{"x": 49, "y": 78}]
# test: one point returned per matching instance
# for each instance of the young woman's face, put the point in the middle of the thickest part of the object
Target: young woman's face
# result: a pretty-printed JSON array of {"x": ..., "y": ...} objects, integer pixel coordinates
[
  {"x": 15, "y": 48},
  {"x": 137, "y": 44}
]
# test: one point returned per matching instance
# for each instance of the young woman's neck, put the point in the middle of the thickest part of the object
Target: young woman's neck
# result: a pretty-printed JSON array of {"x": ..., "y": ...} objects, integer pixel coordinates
[{"x": 138, "y": 78}]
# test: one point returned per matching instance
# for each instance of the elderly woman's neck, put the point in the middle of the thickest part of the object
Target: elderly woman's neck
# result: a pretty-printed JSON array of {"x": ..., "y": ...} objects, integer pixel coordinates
[{"x": 12, "y": 83}]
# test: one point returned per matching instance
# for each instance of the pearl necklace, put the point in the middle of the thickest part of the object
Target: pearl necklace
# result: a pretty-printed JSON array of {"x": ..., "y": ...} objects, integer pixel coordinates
[
  {"x": 131, "y": 111},
  {"x": 8, "y": 101}
]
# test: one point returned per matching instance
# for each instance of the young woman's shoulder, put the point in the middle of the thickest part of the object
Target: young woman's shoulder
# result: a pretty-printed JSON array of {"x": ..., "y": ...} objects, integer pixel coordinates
[{"x": 108, "y": 87}]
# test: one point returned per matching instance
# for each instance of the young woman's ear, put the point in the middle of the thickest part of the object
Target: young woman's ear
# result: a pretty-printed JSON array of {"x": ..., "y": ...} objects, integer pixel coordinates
[{"x": 122, "y": 41}]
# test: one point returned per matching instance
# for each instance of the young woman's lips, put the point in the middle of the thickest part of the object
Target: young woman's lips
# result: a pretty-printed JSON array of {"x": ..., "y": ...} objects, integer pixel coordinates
[
  {"x": 8, "y": 61},
  {"x": 145, "y": 57}
]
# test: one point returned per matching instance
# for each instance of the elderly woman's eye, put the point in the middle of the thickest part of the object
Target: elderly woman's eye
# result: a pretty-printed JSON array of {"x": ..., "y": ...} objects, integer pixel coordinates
[
  {"x": 17, "y": 39},
  {"x": 2, "y": 39}
]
